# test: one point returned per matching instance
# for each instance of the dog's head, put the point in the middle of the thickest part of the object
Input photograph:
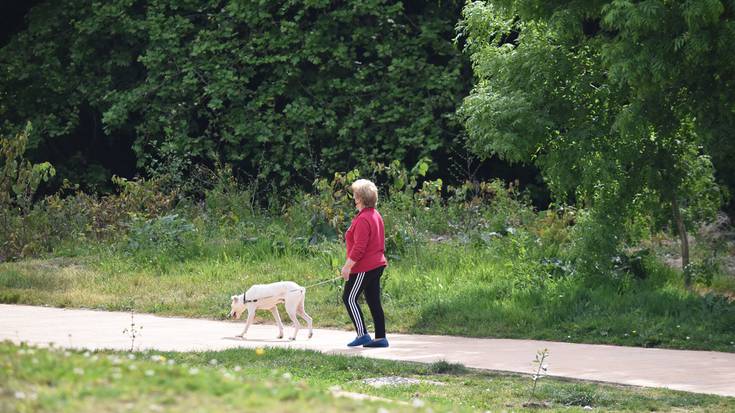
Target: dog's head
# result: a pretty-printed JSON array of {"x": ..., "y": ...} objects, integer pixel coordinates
[{"x": 237, "y": 306}]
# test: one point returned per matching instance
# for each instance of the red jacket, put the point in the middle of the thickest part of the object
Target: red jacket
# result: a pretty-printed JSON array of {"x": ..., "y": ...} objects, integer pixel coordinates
[{"x": 366, "y": 241}]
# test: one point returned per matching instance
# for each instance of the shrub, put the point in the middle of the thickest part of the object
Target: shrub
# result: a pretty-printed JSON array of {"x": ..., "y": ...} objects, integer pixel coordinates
[
  {"x": 478, "y": 212},
  {"x": 553, "y": 229},
  {"x": 161, "y": 239},
  {"x": 19, "y": 180},
  {"x": 325, "y": 213},
  {"x": 225, "y": 199},
  {"x": 710, "y": 250}
]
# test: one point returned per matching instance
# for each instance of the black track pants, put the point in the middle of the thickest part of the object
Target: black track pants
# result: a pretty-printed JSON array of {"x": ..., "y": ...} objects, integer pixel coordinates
[{"x": 370, "y": 283}]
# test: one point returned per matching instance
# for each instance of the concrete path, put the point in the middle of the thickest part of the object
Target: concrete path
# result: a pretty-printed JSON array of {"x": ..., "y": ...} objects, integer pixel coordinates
[{"x": 692, "y": 371}]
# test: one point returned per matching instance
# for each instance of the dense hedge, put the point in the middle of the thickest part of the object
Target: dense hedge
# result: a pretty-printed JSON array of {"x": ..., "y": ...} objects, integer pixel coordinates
[{"x": 284, "y": 90}]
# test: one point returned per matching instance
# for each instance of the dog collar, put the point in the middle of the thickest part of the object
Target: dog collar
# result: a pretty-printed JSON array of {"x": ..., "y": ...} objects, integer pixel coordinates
[{"x": 248, "y": 301}]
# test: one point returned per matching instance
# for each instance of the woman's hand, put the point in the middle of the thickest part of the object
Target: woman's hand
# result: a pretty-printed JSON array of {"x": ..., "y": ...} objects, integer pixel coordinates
[{"x": 347, "y": 268}]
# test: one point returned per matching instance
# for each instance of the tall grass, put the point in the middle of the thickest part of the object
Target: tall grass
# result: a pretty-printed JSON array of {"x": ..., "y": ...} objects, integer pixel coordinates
[{"x": 445, "y": 287}]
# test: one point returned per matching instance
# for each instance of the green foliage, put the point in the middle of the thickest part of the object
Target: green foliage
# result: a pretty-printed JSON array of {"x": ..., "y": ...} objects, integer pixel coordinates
[
  {"x": 162, "y": 239},
  {"x": 19, "y": 180},
  {"x": 109, "y": 215},
  {"x": 553, "y": 230},
  {"x": 327, "y": 212},
  {"x": 414, "y": 208},
  {"x": 710, "y": 253},
  {"x": 31, "y": 228},
  {"x": 224, "y": 198},
  {"x": 609, "y": 100},
  {"x": 285, "y": 91}
]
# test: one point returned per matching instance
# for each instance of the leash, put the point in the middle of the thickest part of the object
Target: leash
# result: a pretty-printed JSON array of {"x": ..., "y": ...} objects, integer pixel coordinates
[
  {"x": 305, "y": 287},
  {"x": 323, "y": 282}
]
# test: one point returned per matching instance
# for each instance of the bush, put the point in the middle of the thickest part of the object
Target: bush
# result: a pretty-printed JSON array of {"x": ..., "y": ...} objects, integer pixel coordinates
[
  {"x": 162, "y": 239},
  {"x": 107, "y": 217},
  {"x": 710, "y": 250},
  {"x": 554, "y": 229},
  {"x": 326, "y": 213},
  {"x": 225, "y": 199},
  {"x": 19, "y": 180}
]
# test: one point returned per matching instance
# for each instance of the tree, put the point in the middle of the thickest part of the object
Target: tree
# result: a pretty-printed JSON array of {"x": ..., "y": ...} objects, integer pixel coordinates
[{"x": 613, "y": 100}]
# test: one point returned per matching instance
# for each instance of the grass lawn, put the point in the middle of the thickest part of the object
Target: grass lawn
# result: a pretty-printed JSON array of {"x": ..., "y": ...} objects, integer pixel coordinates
[
  {"x": 440, "y": 288},
  {"x": 56, "y": 380}
]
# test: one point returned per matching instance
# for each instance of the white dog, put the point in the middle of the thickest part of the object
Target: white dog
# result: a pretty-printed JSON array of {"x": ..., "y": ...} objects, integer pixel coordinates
[{"x": 267, "y": 297}]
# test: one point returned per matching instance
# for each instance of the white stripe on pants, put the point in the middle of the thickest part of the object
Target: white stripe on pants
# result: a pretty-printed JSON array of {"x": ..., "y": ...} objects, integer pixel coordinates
[{"x": 352, "y": 300}]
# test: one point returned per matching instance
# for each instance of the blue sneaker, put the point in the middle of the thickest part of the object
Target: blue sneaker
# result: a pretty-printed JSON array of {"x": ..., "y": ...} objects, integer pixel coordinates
[
  {"x": 378, "y": 342},
  {"x": 363, "y": 339}
]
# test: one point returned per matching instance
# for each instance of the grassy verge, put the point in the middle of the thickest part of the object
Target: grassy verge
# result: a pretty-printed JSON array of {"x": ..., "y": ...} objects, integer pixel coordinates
[
  {"x": 493, "y": 290},
  {"x": 55, "y": 380}
]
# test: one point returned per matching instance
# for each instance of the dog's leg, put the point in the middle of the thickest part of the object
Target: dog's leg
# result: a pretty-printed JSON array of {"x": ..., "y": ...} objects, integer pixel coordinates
[
  {"x": 308, "y": 319},
  {"x": 277, "y": 317},
  {"x": 291, "y": 309},
  {"x": 300, "y": 311},
  {"x": 251, "y": 317}
]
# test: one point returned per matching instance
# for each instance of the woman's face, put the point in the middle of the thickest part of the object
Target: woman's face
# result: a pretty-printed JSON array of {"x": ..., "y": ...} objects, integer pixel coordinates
[{"x": 358, "y": 203}]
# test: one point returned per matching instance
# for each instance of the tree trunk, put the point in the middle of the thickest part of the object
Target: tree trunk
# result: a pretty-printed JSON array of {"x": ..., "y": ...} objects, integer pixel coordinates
[{"x": 681, "y": 228}]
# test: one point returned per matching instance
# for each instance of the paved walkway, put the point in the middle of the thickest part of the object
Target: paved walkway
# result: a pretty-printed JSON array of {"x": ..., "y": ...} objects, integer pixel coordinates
[{"x": 693, "y": 371}]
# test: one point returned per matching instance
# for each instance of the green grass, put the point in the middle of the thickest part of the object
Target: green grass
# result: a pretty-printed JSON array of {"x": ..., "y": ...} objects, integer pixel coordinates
[
  {"x": 724, "y": 284},
  {"x": 55, "y": 380},
  {"x": 493, "y": 290}
]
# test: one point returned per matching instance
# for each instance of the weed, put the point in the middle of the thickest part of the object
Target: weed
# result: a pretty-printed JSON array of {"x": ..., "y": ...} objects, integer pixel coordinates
[
  {"x": 133, "y": 331},
  {"x": 541, "y": 369}
]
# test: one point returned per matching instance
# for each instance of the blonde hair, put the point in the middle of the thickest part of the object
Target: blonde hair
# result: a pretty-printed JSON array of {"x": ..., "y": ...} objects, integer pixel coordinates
[{"x": 366, "y": 191}]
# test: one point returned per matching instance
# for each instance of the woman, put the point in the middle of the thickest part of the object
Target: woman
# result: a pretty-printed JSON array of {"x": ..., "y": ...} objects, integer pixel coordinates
[{"x": 365, "y": 263}]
